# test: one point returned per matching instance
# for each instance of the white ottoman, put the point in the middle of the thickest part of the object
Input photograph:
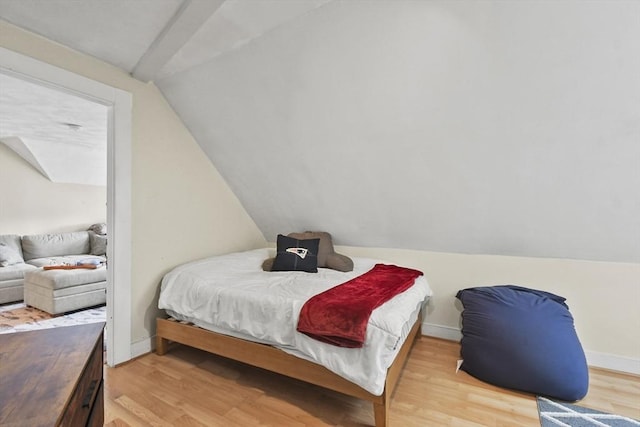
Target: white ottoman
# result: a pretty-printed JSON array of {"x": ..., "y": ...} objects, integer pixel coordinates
[{"x": 60, "y": 291}]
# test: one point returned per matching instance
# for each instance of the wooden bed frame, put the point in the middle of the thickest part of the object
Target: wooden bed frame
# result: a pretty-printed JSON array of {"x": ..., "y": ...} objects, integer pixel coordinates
[{"x": 276, "y": 360}]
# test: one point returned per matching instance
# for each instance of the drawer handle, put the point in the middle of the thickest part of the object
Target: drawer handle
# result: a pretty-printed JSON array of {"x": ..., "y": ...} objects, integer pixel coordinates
[{"x": 86, "y": 402}]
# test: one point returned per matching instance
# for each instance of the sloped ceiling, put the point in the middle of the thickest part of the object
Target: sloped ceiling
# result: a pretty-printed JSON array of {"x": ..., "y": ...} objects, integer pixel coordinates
[
  {"x": 61, "y": 135},
  {"x": 476, "y": 127}
]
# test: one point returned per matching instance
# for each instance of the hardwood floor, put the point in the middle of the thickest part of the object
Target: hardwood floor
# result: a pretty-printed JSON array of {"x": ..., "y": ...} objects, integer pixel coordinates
[{"x": 189, "y": 387}]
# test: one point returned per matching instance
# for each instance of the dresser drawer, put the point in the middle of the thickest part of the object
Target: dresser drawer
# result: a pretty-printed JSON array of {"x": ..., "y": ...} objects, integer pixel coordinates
[
  {"x": 87, "y": 391},
  {"x": 96, "y": 419}
]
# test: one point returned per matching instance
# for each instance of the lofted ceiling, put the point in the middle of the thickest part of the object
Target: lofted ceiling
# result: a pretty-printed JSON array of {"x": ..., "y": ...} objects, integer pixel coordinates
[
  {"x": 63, "y": 136},
  {"x": 508, "y": 128}
]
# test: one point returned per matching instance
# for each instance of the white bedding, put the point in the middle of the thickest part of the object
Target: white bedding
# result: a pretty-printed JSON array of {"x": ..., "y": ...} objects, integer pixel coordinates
[{"x": 231, "y": 294}]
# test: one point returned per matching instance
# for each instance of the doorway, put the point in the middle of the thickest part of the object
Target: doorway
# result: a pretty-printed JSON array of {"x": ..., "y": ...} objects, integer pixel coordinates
[{"x": 119, "y": 105}]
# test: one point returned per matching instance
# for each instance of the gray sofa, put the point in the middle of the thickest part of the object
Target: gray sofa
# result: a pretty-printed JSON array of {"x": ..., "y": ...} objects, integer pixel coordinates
[{"x": 20, "y": 256}]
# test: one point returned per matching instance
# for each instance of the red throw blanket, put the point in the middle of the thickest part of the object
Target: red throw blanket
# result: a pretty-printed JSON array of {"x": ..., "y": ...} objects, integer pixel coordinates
[{"x": 339, "y": 315}]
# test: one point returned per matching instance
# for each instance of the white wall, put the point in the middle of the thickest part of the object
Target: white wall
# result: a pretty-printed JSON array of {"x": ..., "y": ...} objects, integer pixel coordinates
[
  {"x": 602, "y": 296},
  {"x": 506, "y": 129},
  {"x": 181, "y": 207},
  {"x": 485, "y": 127},
  {"x": 31, "y": 204}
]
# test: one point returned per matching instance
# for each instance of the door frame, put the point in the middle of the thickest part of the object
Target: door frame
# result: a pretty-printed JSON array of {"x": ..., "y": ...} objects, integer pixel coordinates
[{"x": 119, "y": 103}]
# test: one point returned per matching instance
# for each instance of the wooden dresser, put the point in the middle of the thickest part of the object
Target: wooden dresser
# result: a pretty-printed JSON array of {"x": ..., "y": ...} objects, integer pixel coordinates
[{"x": 52, "y": 377}]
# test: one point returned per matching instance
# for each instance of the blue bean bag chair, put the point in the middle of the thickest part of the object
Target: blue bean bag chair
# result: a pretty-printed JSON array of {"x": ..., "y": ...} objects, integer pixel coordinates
[{"x": 522, "y": 339}]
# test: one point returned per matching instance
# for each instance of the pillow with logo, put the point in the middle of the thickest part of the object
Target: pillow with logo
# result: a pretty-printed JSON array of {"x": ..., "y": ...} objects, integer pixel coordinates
[
  {"x": 296, "y": 255},
  {"x": 327, "y": 256}
]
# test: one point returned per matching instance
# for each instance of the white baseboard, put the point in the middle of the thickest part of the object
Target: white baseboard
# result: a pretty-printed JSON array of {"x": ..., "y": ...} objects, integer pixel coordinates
[
  {"x": 612, "y": 362},
  {"x": 439, "y": 331},
  {"x": 143, "y": 346},
  {"x": 595, "y": 359}
]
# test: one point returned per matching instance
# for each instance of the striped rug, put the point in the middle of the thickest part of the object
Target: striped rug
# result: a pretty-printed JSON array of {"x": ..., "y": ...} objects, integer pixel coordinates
[{"x": 553, "y": 413}]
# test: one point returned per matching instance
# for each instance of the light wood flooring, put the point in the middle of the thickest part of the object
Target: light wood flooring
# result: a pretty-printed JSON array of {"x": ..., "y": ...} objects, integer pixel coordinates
[{"x": 188, "y": 387}]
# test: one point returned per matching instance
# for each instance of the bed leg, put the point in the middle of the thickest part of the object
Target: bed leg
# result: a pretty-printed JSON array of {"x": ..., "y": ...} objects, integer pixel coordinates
[
  {"x": 161, "y": 345},
  {"x": 381, "y": 412}
]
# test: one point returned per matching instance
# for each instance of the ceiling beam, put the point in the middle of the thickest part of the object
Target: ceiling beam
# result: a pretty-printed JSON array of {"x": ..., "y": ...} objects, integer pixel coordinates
[{"x": 189, "y": 17}]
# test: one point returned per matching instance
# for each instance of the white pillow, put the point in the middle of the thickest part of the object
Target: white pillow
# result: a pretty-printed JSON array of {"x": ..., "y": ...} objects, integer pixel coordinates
[
  {"x": 98, "y": 244},
  {"x": 9, "y": 256}
]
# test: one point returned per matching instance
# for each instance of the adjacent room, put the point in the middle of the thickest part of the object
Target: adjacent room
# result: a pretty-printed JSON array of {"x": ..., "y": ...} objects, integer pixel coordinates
[
  {"x": 53, "y": 214},
  {"x": 468, "y": 171}
]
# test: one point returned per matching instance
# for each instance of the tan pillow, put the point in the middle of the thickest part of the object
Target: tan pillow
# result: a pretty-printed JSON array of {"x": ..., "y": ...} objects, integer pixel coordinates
[
  {"x": 327, "y": 257},
  {"x": 267, "y": 264}
]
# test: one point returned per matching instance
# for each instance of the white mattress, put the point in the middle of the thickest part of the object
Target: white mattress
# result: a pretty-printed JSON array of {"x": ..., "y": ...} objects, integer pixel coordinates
[{"x": 231, "y": 294}]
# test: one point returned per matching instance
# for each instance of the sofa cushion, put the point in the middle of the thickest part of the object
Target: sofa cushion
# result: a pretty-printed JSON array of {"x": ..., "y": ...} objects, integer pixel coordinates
[
  {"x": 60, "y": 279},
  {"x": 15, "y": 272},
  {"x": 98, "y": 244},
  {"x": 51, "y": 245},
  {"x": 100, "y": 228},
  {"x": 67, "y": 260},
  {"x": 9, "y": 256},
  {"x": 12, "y": 241}
]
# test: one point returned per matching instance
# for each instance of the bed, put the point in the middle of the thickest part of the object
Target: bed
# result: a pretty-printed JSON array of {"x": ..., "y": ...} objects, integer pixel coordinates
[{"x": 228, "y": 305}]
